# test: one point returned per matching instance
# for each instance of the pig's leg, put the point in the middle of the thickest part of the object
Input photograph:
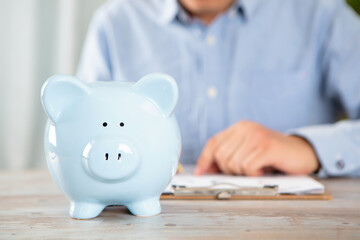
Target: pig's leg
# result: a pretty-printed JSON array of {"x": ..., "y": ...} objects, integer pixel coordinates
[
  {"x": 85, "y": 210},
  {"x": 145, "y": 208}
]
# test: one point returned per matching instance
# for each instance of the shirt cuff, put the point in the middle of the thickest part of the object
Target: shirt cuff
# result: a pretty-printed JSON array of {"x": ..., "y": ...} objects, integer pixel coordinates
[{"x": 334, "y": 148}]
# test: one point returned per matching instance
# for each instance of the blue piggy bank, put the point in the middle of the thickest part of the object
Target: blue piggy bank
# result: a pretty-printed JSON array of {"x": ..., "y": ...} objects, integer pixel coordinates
[{"x": 111, "y": 143}]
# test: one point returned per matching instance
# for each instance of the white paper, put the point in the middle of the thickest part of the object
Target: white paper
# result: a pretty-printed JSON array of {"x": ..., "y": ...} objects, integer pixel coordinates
[{"x": 287, "y": 184}]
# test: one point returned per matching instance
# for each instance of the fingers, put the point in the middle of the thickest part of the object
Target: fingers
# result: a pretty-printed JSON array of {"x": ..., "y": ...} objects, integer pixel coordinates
[
  {"x": 243, "y": 148},
  {"x": 254, "y": 163},
  {"x": 236, "y": 160},
  {"x": 253, "y": 155},
  {"x": 225, "y": 151},
  {"x": 213, "y": 169},
  {"x": 207, "y": 156}
]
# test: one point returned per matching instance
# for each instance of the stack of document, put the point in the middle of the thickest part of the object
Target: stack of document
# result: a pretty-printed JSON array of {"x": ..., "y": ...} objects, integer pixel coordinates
[{"x": 298, "y": 185}]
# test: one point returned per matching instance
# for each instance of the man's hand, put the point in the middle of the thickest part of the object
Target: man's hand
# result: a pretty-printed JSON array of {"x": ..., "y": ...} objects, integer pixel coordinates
[{"x": 248, "y": 148}]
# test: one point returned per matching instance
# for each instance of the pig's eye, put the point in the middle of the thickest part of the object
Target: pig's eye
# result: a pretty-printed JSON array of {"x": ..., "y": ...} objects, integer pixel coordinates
[
  {"x": 104, "y": 124},
  {"x": 122, "y": 124}
]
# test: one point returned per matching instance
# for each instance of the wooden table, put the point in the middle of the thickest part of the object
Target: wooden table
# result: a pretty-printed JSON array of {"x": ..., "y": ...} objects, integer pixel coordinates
[{"x": 32, "y": 207}]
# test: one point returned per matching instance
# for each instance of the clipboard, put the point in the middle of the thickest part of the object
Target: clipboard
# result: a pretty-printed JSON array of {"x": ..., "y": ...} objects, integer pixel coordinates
[{"x": 229, "y": 191}]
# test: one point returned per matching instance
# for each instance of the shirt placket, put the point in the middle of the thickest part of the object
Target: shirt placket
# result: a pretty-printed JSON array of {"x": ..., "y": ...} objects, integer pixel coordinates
[{"x": 213, "y": 80}]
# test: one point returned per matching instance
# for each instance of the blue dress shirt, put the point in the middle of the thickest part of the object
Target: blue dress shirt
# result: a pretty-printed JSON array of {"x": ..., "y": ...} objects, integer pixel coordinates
[{"x": 292, "y": 66}]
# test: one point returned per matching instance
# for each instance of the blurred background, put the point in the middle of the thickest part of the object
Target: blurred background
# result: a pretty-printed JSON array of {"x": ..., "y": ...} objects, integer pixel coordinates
[{"x": 38, "y": 38}]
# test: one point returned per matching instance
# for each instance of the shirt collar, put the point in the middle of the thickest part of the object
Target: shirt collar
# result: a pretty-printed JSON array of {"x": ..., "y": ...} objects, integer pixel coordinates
[
  {"x": 169, "y": 11},
  {"x": 172, "y": 10},
  {"x": 249, "y": 7}
]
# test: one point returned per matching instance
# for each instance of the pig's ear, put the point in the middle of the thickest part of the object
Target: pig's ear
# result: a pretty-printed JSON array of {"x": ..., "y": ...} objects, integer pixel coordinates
[
  {"x": 59, "y": 92},
  {"x": 161, "y": 89}
]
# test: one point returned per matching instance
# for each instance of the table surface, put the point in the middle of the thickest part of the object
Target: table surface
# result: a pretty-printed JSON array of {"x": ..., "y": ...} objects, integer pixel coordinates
[{"x": 32, "y": 206}]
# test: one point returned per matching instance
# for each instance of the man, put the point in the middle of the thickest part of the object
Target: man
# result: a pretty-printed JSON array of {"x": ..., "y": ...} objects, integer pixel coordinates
[{"x": 261, "y": 82}]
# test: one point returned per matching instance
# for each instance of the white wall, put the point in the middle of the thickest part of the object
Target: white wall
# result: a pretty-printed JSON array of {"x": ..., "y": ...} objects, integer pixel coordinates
[{"x": 38, "y": 38}]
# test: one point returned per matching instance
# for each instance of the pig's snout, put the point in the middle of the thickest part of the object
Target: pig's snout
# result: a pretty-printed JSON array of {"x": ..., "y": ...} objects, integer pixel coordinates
[{"x": 111, "y": 159}]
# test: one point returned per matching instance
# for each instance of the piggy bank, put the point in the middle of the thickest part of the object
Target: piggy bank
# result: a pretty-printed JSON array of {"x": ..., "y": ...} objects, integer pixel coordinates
[{"x": 111, "y": 143}]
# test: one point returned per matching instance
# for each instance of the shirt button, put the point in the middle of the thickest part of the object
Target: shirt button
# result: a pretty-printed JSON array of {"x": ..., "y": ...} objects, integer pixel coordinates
[
  {"x": 340, "y": 164},
  {"x": 211, "y": 92},
  {"x": 210, "y": 40}
]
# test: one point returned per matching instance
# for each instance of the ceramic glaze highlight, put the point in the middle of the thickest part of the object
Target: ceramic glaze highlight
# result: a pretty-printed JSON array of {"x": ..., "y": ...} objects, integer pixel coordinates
[{"x": 111, "y": 143}]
